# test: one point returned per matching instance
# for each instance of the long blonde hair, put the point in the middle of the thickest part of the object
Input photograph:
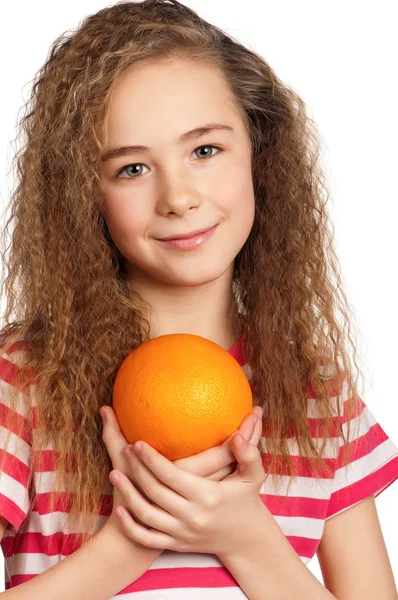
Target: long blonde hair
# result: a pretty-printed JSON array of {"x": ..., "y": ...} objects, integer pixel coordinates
[{"x": 74, "y": 311}]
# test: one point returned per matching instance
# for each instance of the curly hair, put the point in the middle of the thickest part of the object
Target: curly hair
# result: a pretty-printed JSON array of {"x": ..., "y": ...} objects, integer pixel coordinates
[{"x": 66, "y": 288}]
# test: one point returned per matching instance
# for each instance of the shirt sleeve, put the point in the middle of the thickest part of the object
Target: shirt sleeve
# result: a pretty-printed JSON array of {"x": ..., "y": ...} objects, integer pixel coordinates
[
  {"x": 15, "y": 471},
  {"x": 372, "y": 464}
]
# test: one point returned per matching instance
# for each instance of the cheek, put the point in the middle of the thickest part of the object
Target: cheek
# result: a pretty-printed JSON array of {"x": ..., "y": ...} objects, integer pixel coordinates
[
  {"x": 126, "y": 219},
  {"x": 238, "y": 196}
]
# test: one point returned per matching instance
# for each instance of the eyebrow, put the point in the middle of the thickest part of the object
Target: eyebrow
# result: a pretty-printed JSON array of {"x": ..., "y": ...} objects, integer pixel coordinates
[{"x": 189, "y": 135}]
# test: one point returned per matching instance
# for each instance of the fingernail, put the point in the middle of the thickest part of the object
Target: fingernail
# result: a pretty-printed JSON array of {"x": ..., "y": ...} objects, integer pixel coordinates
[{"x": 103, "y": 414}]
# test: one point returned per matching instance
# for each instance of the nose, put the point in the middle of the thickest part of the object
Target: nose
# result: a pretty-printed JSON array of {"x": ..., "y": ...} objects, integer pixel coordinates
[
  {"x": 177, "y": 197},
  {"x": 177, "y": 203}
]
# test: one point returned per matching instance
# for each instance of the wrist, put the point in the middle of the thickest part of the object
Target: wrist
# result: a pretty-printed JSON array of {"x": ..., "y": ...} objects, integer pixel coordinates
[
  {"x": 261, "y": 534},
  {"x": 116, "y": 541}
]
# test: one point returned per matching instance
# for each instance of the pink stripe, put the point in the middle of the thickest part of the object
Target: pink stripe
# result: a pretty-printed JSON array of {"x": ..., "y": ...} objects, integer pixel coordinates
[
  {"x": 66, "y": 544},
  {"x": 305, "y": 547},
  {"x": 237, "y": 351},
  {"x": 333, "y": 424},
  {"x": 158, "y": 579},
  {"x": 363, "y": 488},
  {"x": 15, "y": 468},
  {"x": 33, "y": 542},
  {"x": 15, "y": 422},
  {"x": 295, "y": 506},
  {"x": 301, "y": 463},
  {"x": 190, "y": 577},
  {"x": 63, "y": 503},
  {"x": 9, "y": 372},
  {"x": 332, "y": 387},
  {"x": 45, "y": 461},
  {"x": 182, "y": 577},
  {"x": 11, "y": 511},
  {"x": 17, "y": 580},
  {"x": 363, "y": 445}
]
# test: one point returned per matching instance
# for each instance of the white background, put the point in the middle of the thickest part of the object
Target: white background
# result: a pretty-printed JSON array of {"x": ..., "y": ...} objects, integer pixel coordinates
[{"x": 341, "y": 58}]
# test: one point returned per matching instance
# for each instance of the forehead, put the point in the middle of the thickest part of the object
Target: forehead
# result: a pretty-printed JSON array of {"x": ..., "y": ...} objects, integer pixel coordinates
[{"x": 179, "y": 94}]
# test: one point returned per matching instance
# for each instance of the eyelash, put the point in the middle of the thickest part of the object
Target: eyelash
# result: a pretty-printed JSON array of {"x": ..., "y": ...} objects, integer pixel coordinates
[{"x": 198, "y": 148}]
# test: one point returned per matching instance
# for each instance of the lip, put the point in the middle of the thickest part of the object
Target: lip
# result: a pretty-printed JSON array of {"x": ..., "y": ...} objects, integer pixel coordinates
[
  {"x": 190, "y": 243},
  {"x": 185, "y": 236}
]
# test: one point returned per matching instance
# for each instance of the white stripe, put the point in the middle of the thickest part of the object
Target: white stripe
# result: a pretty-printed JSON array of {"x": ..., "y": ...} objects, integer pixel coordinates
[
  {"x": 302, "y": 487},
  {"x": 16, "y": 446},
  {"x": 14, "y": 490},
  {"x": 53, "y": 523},
  {"x": 360, "y": 425},
  {"x": 45, "y": 482},
  {"x": 32, "y": 564},
  {"x": 49, "y": 524},
  {"x": 5, "y": 398},
  {"x": 301, "y": 526},
  {"x": 330, "y": 450},
  {"x": 313, "y": 411},
  {"x": 169, "y": 560},
  {"x": 308, "y": 487}
]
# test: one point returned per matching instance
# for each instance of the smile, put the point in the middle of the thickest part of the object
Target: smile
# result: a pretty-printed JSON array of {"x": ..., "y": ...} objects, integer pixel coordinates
[{"x": 189, "y": 243}]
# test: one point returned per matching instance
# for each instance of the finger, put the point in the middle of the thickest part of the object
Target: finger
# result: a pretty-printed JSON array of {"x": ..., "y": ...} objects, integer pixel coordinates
[
  {"x": 248, "y": 425},
  {"x": 149, "y": 515},
  {"x": 145, "y": 537},
  {"x": 222, "y": 473},
  {"x": 247, "y": 429},
  {"x": 214, "y": 462},
  {"x": 189, "y": 486},
  {"x": 153, "y": 489},
  {"x": 229, "y": 469},
  {"x": 257, "y": 433},
  {"x": 224, "y": 461}
]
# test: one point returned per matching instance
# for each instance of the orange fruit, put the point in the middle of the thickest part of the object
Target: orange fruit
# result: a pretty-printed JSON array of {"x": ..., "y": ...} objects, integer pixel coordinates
[{"x": 180, "y": 393}]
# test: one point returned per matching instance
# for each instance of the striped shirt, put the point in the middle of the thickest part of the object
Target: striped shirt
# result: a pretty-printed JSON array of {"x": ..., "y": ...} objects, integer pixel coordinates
[{"x": 43, "y": 541}]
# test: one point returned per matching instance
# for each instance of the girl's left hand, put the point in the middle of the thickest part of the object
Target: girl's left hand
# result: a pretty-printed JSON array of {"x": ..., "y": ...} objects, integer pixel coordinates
[{"x": 192, "y": 513}]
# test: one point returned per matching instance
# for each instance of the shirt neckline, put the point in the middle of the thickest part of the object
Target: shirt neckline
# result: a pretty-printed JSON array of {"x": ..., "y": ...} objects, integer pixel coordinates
[{"x": 237, "y": 351}]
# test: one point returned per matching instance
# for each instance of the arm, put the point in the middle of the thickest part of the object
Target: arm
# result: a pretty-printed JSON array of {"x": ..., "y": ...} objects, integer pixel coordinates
[
  {"x": 353, "y": 559},
  {"x": 98, "y": 570},
  {"x": 270, "y": 568}
]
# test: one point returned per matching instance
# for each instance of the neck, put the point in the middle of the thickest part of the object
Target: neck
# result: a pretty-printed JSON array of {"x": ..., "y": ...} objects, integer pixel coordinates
[{"x": 209, "y": 310}]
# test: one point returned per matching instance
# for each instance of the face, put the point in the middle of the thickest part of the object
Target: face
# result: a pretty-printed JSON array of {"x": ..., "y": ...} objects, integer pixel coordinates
[{"x": 176, "y": 186}]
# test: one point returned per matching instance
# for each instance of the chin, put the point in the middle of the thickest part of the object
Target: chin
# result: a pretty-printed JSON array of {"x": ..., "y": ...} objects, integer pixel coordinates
[{"x": 190, "y": 277}]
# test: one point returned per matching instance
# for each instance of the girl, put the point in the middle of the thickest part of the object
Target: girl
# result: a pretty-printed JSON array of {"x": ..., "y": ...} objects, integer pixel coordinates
[{"x": 149, "y": 123}]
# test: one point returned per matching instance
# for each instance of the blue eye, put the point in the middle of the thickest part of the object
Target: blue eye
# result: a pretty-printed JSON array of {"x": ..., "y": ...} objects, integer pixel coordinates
[{"x": 138, "y": 165}]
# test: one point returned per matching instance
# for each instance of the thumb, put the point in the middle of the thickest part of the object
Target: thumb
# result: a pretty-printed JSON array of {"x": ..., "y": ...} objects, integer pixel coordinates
[
  {"x": 112, "y": 435},
  {"x": 109, "y": 419},
  {"x": 250, "y": 465}
]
